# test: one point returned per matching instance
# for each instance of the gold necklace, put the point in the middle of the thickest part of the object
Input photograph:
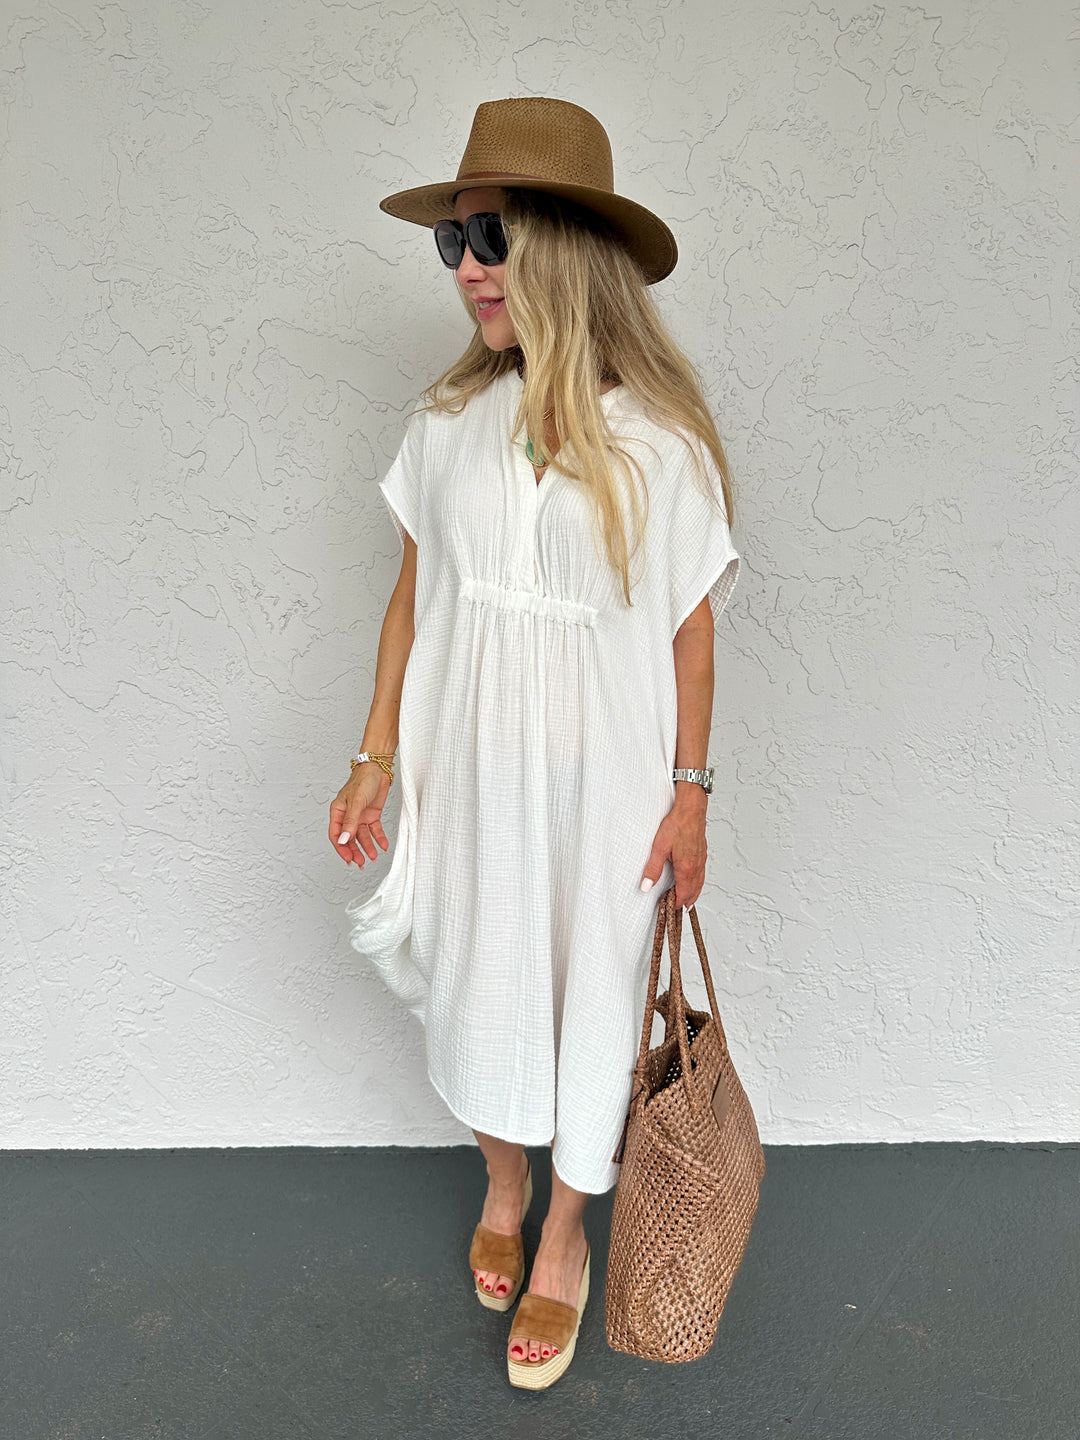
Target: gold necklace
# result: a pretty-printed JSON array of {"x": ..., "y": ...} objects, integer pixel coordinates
[{"x": 530, "y": 449}]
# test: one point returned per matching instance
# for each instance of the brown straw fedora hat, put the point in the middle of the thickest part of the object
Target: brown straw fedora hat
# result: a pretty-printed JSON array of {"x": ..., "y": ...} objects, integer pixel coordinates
[{"x": 552, "y": 145}]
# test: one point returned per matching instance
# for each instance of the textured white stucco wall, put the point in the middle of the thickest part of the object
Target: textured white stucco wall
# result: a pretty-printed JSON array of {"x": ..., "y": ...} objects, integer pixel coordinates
[{"x": 209, "y": 335}]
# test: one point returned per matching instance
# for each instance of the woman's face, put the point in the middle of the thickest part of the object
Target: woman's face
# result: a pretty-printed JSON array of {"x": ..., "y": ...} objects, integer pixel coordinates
[{"x": 481, "y": 284}]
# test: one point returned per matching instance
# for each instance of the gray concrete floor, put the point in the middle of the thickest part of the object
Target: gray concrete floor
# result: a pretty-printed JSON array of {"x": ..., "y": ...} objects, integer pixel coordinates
[{"x": 887, "y": 1291}]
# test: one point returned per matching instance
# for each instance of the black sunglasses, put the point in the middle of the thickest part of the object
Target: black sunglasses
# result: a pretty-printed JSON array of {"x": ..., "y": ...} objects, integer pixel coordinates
[{"x": 483, "y": 233}]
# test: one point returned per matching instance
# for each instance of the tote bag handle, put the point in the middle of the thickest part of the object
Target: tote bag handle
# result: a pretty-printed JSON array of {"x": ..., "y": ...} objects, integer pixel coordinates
[{"x": 669, "y": 917}]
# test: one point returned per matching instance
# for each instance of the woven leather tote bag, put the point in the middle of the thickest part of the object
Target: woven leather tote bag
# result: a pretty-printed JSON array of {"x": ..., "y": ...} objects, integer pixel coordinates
[{"x": 691, "y": 1163}]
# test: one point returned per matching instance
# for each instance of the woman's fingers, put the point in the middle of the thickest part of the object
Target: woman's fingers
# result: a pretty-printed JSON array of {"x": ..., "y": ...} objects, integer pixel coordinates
[
  {"x": 661, "y": 848},
  {"x": 689, "y": 882},
  {"x": 363, "y": 840},
  {"x": 357, "y": 841},
  {"x": 355, "y": 827},
  {"x": 345, "y": 839},
  {"x": 337, "y": 825},
  {"x": 684, "y": 845}
]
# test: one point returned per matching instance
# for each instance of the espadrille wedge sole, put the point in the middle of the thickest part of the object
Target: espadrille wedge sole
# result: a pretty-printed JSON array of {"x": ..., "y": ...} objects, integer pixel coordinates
[
  {"x": 552, "y": 1323},
  {"x": 501, "y": 1254}
]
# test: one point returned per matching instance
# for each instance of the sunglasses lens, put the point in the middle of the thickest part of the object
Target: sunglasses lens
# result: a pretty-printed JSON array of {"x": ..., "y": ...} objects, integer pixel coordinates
[
  {"x": 450, "y": 244},
  {"x": 483, "y": 233},
  {"x": 487, "y": 238}
]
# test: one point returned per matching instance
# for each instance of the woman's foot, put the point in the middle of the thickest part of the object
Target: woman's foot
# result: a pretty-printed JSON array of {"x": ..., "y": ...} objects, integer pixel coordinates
[
  {"x": 502, "y": 1213},
  {"x": 556, "y": 1273}
]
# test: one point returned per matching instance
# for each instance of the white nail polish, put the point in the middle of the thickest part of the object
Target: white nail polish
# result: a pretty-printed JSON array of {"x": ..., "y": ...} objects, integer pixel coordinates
[
  {"x": 343, "y": 837},
  {"x": 646, "y": 884}
]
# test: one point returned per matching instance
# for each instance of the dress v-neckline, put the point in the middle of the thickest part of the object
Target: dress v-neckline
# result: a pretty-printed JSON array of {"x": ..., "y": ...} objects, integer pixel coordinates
[{"x": 515, "y": 378}]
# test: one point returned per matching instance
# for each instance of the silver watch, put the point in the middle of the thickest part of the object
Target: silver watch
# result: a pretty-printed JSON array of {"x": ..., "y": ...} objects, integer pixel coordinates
[{"x": 703, "y": 777}]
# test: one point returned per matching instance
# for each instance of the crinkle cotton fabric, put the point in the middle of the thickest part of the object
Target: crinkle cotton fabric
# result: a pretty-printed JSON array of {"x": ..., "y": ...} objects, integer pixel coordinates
[{"x": 536, "y": 743}]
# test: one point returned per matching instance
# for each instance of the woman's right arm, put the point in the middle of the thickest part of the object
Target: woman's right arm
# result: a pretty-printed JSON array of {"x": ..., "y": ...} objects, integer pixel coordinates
[{"x": 355, "y": 810}]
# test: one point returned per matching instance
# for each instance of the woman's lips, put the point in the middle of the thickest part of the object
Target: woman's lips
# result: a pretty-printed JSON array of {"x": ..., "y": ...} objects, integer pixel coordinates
[{"x": 484, "y": 312}]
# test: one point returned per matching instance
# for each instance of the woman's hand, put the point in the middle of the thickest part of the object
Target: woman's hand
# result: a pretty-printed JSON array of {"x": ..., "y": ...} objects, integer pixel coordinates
[
  {"x": 354, "y": 814},
  {"x": 681, "y": 838}
]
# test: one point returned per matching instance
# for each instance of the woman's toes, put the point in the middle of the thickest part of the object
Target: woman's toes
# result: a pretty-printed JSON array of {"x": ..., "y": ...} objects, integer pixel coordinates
[
  {"x": 531, "y": 1350},
  {"x": 492, "y": 1284}
]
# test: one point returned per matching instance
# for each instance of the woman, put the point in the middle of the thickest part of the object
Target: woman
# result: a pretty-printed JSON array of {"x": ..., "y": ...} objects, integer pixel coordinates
[{"x": 547, "y": 657}]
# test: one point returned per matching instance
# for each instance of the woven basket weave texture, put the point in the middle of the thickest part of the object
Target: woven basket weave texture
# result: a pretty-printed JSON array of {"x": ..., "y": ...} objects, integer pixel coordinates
[{"x": 687, "y": 1192}]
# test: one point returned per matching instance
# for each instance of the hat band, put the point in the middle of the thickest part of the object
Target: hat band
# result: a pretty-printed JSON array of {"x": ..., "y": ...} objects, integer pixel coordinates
[
  {"x": 487, "y": 175},
  {"x": 516, "y": 175}
]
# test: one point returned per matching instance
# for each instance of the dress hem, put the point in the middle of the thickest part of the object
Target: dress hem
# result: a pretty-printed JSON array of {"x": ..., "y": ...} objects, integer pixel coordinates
[
  {"x": 484, "y": 1129},
  {"x": 513, "y": 1140}
]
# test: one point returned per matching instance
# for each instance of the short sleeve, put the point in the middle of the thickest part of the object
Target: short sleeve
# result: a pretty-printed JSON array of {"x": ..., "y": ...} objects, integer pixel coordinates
[
  {"x": 401, "y": 486},
  {"x": 701, "y": 558}
]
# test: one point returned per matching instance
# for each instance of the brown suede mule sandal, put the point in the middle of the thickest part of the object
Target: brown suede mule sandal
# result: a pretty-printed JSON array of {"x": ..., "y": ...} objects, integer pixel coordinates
[
  {"x": 551, "y": 1322},
  {"x": 502, "y": 1254}
]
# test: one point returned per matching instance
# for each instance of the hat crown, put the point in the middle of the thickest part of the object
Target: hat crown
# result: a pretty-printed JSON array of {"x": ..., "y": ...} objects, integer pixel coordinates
[{"x": 538, "y": 138}]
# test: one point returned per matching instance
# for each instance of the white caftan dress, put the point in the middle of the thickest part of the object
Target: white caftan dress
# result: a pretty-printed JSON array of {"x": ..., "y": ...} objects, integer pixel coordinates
[{"x": 536, "y": 744}]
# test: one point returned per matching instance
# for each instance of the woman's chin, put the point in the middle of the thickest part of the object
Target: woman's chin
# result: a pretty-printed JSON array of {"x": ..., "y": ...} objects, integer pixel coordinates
[{"x": 499, "y": 340}]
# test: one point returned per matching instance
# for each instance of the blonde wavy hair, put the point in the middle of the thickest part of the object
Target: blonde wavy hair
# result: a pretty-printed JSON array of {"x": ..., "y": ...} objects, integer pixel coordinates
[{"x": 582, "y": 313}]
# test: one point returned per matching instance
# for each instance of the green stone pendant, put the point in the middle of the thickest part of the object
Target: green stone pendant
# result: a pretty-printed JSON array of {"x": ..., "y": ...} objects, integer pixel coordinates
[{"x": 531, "y": 453}]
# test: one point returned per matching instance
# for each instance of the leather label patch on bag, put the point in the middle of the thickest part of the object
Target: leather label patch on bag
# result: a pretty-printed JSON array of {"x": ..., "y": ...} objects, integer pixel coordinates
[{"x": 721, "y": 1100}]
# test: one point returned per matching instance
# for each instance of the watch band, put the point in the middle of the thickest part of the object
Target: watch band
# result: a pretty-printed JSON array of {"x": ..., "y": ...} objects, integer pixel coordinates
[{"x": 703, "y": 777}]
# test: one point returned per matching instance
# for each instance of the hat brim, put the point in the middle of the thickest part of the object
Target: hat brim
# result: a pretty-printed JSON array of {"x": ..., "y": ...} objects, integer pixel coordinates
[{"x": 644, "y": 234}]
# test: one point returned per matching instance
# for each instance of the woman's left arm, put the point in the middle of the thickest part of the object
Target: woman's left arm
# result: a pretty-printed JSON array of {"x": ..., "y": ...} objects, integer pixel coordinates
[{"x": 681, "y": 836}]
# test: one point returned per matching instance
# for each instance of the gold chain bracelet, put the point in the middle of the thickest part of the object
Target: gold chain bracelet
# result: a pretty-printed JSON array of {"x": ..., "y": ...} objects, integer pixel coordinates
[{"x": 384, "y": 762}]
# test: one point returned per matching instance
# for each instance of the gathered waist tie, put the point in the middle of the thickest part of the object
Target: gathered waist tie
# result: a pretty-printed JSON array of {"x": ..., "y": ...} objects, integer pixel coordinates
[{"x": 549, "y": 607}]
